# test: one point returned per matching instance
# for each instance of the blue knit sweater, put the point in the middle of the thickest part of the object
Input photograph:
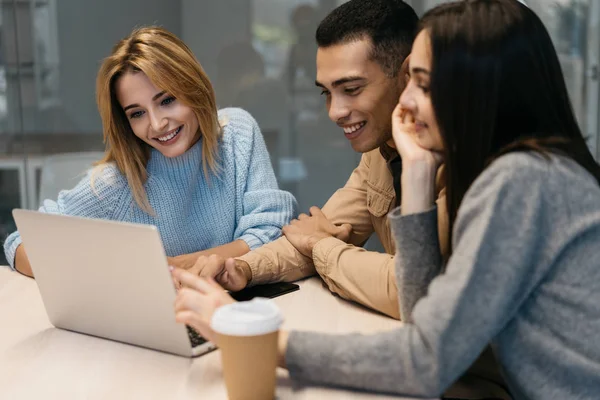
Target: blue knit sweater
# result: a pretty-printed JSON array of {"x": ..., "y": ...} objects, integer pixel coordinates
[{"x": 241, "y": 202}]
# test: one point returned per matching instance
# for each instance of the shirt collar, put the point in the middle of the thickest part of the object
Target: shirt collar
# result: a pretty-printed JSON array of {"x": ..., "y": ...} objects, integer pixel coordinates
[{"x": 388, "y": 152}]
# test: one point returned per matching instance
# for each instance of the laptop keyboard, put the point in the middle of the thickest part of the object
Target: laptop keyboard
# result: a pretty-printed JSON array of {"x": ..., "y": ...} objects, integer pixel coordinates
[{"x": 195, "y": 337}]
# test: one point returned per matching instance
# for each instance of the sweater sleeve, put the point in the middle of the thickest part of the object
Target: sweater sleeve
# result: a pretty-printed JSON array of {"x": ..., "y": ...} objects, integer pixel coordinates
[
  {"x": 417, "y": 236},
  {"x": 496, "y": 264},
  {"x": 86, "y": 199},
  {"x": 265, "y": 208}
]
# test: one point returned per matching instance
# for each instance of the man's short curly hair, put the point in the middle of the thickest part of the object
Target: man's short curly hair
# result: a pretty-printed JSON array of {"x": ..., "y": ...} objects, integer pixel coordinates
[{"x": 391, "y": 26}]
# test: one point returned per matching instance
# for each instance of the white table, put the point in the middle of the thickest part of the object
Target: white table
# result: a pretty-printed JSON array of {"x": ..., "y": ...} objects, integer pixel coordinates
[{"x": 38, "y": 361}]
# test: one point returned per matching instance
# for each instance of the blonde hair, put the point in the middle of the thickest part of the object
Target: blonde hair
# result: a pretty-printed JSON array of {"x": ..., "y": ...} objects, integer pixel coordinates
[{"x": 171, "y": 66}]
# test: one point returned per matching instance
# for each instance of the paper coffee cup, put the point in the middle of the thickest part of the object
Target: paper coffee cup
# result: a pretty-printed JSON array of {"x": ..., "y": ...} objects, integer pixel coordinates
[{"x": 247, "y": 334}]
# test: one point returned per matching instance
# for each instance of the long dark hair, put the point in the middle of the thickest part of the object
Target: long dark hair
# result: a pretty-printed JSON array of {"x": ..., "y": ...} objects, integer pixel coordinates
[{"x": 497, "y": 87}]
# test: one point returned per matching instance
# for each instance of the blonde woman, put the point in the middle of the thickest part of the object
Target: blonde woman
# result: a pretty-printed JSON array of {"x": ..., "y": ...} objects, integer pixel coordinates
[{"x": 202, "y": 176}]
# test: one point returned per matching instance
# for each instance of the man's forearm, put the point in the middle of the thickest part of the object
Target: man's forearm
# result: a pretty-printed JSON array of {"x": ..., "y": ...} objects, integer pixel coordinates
[
  {"x": 366, "y": 277},
  {"x": 275, "y": 262},
  {"x": 234, "y": 249}
]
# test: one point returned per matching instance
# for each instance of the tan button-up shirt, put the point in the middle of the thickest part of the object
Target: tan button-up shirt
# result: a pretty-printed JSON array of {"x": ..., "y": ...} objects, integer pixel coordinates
[{"x": 366, "y": 277}]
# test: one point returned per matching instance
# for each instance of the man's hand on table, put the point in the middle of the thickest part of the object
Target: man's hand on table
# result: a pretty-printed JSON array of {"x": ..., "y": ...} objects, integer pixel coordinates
[
  {"x": 230, "y": 273},
  {"x": 304, "y": 233}
]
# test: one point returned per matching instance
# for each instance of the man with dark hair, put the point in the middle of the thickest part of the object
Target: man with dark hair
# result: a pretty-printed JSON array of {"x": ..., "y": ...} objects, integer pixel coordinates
[
  {"x": 361, "y": 47},
  {"x": 390, "y": 26}
]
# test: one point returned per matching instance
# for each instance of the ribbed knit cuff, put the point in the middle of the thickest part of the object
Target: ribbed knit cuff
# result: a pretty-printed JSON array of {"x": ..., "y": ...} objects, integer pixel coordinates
[
  {"x": 252, "y": 241},
  {"x": 420, "y": 227},
  {"x": 10, "y": 248}
]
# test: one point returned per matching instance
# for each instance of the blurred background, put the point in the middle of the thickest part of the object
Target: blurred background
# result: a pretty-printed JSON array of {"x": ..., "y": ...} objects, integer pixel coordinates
[{"x": 259, "y": 54}]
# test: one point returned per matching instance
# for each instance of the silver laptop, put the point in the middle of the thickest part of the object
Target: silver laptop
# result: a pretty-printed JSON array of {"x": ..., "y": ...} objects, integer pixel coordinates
[{"x": 107, "y": 279}]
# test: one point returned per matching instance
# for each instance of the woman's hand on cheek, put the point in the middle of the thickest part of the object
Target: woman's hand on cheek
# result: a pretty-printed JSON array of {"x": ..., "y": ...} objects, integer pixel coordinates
[
  {"x": 405, "y": 139},
  {"x": 419, "y": 165}
]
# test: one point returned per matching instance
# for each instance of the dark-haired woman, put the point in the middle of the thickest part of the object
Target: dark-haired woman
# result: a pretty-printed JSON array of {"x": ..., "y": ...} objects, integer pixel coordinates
[{"x": 487, "y": 98}]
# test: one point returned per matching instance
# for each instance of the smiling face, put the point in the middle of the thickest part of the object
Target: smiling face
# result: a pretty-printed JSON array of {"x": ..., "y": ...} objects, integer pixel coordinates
[
  {"x": 416, "y": 97},
  {"x": 360, "y": 96},
  {"x": 156, "y": 117}
]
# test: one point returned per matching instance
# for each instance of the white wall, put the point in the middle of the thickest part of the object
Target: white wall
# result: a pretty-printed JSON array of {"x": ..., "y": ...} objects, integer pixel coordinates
[{"x": 208, "y": 26}]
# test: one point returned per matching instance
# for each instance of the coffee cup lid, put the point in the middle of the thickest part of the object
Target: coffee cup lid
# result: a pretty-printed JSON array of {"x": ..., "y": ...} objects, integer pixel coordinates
[{"x": 247, "y": 318}]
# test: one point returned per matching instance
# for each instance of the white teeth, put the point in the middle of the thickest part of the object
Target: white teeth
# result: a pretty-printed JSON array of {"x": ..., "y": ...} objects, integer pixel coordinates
[
  {"x": 169, "y": 136},
  {"x": 354, "y": 128}
]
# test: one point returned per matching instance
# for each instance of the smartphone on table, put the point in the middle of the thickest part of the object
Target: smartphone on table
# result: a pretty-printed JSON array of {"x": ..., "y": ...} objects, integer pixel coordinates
[{"x": 269, "y": 290}]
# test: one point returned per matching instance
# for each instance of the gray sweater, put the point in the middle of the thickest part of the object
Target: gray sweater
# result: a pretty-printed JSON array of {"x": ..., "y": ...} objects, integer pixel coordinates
[{"x": 524, "y": 276}]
